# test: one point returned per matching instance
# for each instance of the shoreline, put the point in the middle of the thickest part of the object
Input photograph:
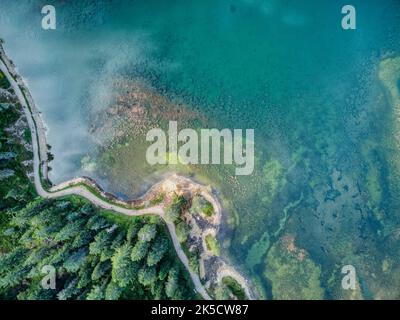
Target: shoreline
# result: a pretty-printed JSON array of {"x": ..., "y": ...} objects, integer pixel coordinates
[{"x": 87, "y": 187}]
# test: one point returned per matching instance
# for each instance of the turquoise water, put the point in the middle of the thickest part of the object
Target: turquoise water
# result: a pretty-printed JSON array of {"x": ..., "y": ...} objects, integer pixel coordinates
[{"x": 285, "y": 68}]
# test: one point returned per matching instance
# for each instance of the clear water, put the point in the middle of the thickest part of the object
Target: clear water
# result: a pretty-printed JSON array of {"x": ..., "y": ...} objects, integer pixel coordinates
[{"x": 285, "y": 68}]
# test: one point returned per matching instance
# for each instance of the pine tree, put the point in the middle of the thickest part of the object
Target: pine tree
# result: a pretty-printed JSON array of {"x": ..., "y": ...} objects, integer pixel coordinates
[
  {"x": 139, "y": 251},
  {"x": 97, "y": 293},
  {"x": 113, "y": 291},
  {"x": 123, "y": 269},
  {"x": 70, "y": 230},
  {"x": 147, "y": 232},
  {"x": 158, "y": 250},
  {"x": 97, "y": 222},
  {"x": 147, "y": 276},
  {"x": 70, "y": 289},
  {"x": 133, "y": 229},
  {"x": 75, "y": 260},
  {"x": 101, "y": 240},
  {"x": 171, "y": 286},
  {"x": 100, "y": 270}
]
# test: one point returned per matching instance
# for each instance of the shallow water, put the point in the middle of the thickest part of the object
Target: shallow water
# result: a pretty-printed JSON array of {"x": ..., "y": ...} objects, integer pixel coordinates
[{"x": 285, "y": 68}]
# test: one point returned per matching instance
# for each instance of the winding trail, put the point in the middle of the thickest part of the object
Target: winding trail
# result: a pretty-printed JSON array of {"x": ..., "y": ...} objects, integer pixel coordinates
[{"x": 39, "y": 149}]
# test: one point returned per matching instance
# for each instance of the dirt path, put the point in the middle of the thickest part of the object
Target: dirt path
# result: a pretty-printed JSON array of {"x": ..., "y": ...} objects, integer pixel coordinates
[{"x": 39, "y": 148}]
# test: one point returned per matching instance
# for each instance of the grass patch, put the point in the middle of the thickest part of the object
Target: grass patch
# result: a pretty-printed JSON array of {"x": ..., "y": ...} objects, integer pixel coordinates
[
  {"x": 208, "y": 209},
  {"x": 212, "y": 244},
  {"x": 28, "y": 135},
  {"x": 4, "y": 84},
  {"x": 124, "y": 220},
  {"x": 234, "y": 287},
  {"x": 201, "y": 205}
]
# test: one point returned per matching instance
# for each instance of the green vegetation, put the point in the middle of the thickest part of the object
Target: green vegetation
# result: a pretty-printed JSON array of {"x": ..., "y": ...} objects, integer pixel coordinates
[
  {"x": 257, "y": 250},
  {"x": 234, "y": 287},
  {"x": 4, "y": 84},
  {"x": 274, "y": 179},
  {"x": 27, "y": 135},
  {"x": 182, "y": 231},
  {"x": 15, "y": 187},
  {"x": 175, "y": 209},
  {"x": 97, "y": 254},
  {"x": 90, "y": 253},
  {"x": 208, "y": 209},
  {"x": 201, "y": 205},
  {"x": 293, "y": 275},
  {"x": 212, "y": 244}
]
